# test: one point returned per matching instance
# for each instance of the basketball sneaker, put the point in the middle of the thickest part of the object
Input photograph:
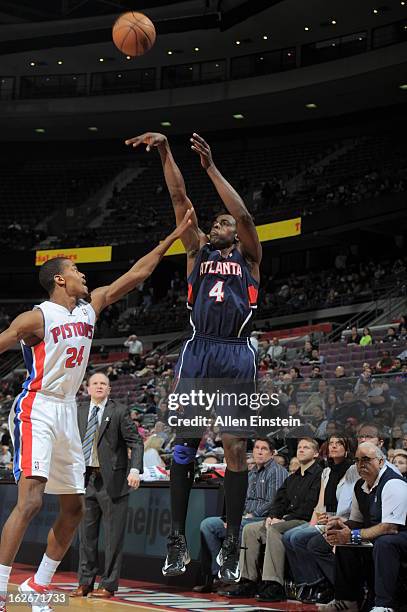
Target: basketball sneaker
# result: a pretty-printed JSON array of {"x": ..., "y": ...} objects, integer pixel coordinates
[
  {"x": 228, "y": 559},
  {"x": 28, "y": 587},
  {"x": 177, "y": 556},
  {"x": 3, "y": 604},
  {"x": 339, "y": 605}
]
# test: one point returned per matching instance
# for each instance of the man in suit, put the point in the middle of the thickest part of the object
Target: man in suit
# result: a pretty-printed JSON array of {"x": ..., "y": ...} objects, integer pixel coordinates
[{"x": 107, "y": 432}]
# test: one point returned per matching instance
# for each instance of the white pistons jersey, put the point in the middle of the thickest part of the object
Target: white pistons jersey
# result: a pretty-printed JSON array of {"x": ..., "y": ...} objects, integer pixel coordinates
[{"x": 56, "y": 366}]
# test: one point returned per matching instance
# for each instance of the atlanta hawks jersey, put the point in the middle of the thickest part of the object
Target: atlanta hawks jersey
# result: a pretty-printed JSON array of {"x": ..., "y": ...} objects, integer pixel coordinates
[
  {"x": 56, "y": 366},
  {"x": 221, "y": 293}
]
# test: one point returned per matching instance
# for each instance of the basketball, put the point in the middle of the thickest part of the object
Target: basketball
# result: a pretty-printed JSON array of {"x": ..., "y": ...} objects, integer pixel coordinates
[{"x": 133, "y": 33}]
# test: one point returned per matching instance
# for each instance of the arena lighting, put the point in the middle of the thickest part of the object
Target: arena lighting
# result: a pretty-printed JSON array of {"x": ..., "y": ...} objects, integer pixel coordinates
[
  {"x": 101, "y": 59},
  {"x": 306, "y": 28},
  {"x": 119, "y": 76},
  {"x": 92, "y": 128},
  {"x": 375, "y": 11},
  {"x": 60, "y": 62},
  {"x": 238, "y": 116},
  {"x": 333, "y": 22},
  {"x": 265, "y": 37},
  {"x": 165, "y": 123},
  {"x": 128, "y": 57},
  {"x": 196, "y": 49},
  {"x": 311, "y": 105},
  {"x": 32, "y": 63},
  {"x": 403, "y": 86},
  {"x": 237, "y": 42},
  {"x": 169, "y": 52},
  {"x": 39, "y": 130}
]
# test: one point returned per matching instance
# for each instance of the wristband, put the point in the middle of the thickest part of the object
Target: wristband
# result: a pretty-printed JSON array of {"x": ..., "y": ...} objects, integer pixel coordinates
[
  {"x": 135, "y": 472},
  {"x": 356, "y": 537}
]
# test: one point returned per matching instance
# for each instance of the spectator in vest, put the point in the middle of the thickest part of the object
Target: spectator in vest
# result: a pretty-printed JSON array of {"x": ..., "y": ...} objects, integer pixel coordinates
[{"x": 378, "y": 515}]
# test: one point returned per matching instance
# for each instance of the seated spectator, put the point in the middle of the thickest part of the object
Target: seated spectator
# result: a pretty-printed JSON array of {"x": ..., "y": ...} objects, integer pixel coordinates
[
  {"x": 402, "y": 324},
  {"x": 306, "y": 353},
  {"x": 5, "y": 456},
  {"x": 152, "y": 458},
  {"x": 354, "y": 337},
  {"x": 400, "y": 461},
  {"x": 366, "y": 339},
  {"x": 378, "y": 515},
  {"x": 340, "y": 372},
  {"x": 319, "y": 422},
  {"x": 275, "y": 350},
  {"x": 300, "y": 542},
  {"x": 292, "y": 506},
  {"x": 316, "y": 372},
  {"x": 265, "y": 479},
  {"x": 385, "y": 363},
  {"x": 391, "y": 335}
]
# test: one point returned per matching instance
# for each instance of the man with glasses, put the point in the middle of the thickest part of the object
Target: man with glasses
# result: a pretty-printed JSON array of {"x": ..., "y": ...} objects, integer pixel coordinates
[{"x": 371, "y": 545}]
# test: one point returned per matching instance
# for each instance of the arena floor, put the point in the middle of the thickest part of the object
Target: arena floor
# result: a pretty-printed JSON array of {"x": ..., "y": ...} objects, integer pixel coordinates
[{"x": 147, "y": 596}]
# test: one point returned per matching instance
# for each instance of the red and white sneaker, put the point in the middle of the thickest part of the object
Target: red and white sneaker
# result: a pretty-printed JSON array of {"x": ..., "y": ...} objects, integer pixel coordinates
[
  {"x": 29, "y": 587},
  {"x": 3, "y": 604}
]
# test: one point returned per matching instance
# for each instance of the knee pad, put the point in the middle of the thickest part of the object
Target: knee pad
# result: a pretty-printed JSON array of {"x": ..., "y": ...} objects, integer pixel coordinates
[{"x": 184, "y": 454}]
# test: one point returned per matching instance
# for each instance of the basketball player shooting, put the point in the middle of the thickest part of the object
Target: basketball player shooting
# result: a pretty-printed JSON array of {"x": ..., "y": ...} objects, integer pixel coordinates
[
  {"x": 223, "y": 280},
  {"x": 56, "y": 339}
]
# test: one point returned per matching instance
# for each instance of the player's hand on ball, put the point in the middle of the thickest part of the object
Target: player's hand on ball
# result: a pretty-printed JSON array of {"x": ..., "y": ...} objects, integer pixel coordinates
[
  {"x": 151, "y": 139},
  {"x": 133, "y": 481},
  {"x": 200, "y": 146}
]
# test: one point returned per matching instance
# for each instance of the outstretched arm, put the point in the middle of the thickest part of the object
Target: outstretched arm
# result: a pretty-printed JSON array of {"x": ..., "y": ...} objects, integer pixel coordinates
[
  {"x": 246, "y": 230},
  {"x": 27, "y": 326},
  {"x": 142, "y": 269},
  {"x": 194, "y": 238}
]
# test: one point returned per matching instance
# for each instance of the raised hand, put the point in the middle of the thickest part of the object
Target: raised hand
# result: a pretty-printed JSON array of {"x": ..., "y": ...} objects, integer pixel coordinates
[
  {"x": 184, "y": 225},
  {"x": 200, "y": 146},
  {"x": 151, "y": 139}
]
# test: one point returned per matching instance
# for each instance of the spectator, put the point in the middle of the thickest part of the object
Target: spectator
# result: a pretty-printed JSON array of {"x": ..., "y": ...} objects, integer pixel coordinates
[
  {"x": 400, "y": 461},
  {"x": 391, "y": 335},
  {"x": 380, "y": 521},
  {"x": 354, "y": 337},
  {"x": 135, "y": 347},
  {"x": 316, "y": 372},
  {"x": 301, "y": 541},
  {"x": 319, "y": 422},
  {"x": 385, "y": 363},
  {"x": 152, "y": 446},
  {"x": 275, "y": 350},
  {"x": 340, "y": 372},
  {"x": 5, "y": 456},
  {"x": 265, "y": 479},
  {"x": 293, "y": 505},
  {"x": 366, "y": 339}
]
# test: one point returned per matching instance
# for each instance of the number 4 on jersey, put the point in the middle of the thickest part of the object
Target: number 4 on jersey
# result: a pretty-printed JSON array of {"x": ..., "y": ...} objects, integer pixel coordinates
[
  {"x": 75, "y": 358},
  {"x": 217, "y": 291}
]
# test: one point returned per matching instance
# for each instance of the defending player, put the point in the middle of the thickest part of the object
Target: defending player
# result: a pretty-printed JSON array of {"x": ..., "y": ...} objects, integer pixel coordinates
[
  {"x": 56, "y": 339},
  {"x": 223, "y": 279}
]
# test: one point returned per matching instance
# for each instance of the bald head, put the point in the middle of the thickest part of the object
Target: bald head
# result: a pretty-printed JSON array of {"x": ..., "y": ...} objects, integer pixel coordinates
[{"x": 98, "y": 387}]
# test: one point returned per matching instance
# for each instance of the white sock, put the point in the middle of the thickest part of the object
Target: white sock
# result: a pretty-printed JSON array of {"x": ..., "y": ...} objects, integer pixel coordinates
[
  {"x": 46, "y": 571},
  {"x": 4, "y": 578}
]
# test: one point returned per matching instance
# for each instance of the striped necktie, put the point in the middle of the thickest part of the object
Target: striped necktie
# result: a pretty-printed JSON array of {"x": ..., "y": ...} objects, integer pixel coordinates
[{"x": 90, "y": 434}]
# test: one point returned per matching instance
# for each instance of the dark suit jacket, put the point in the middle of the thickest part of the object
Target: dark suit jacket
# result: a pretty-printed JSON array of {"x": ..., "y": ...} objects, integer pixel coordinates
[{"x": 117, "y": 433}]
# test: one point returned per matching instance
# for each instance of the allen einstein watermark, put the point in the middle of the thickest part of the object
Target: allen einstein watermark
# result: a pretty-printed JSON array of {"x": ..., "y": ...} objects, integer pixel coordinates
[{"x": 241, "y": 410}]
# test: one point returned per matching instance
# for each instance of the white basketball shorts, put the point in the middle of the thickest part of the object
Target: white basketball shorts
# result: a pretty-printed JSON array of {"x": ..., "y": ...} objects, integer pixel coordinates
[{"x": 47, "y": 442}]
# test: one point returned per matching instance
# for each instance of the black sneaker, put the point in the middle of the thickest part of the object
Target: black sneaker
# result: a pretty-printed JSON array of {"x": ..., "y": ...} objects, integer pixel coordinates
[
  {"x": 228, "y": 559},
  {"x": 177, "y": 556}
]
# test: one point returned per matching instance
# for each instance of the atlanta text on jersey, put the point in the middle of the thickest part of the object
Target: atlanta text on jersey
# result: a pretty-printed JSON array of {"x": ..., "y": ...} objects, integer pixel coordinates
[{"x": 220, "y": 267}]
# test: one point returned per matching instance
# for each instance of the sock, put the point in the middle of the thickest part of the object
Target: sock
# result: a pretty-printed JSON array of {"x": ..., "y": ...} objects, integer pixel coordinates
[
  {"x": 181, "y": 481},
  {"x": 5, "y": 571},
  {"x": 46, "y": 571},
  {"x": 235, "y": 486}
]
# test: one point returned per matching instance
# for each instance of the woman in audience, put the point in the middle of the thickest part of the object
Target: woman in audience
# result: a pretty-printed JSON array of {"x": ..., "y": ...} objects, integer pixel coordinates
[
  {"x": 152, "y": 446},
  {"x": 334, "y": 498},
  {"x": 354, "y": 337},
  {"x": 400, "y": 461},
  {"x": 366, "y": 339}
]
